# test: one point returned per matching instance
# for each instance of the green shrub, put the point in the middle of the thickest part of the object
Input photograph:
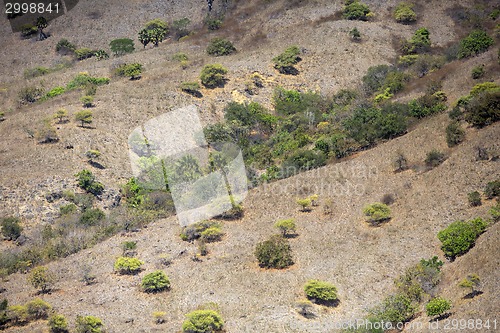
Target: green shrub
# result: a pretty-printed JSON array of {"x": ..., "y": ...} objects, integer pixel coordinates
[
  {"x": 192, "y": 88},
  {"x": 454, "y": 134},
  {"x": 155, "y": 282},
  {"x": 434, "y": 158},
  {"x": 180, "y": 56},
  {"x": 212, "y": 234},
  {"x": 87, "y": 101},
  {"x": 84, "y": 53},
  {"x": 38, "y": 309},
  {"x": 11, "y": 229},
  {"x": 129, "y": 70},
  {"x": 474, "y": 198},
  {"x": 471, "y": 281},
  {"x": 321, "y": 292},
  {"x": 86, "y": 180},
  {"x": 122, "y": 46},
  {"x": 419, "y": 43},
  {"x": 35, "y": 72},
  {"x": 84, "y": 80},
  {"x": 58, "y": 324},
  {"x": 303, "y": 160},
  {"x": 395, "y": 309},
  {"x": 374, "y": 78},
  {"x": 68, "y": 209},
  {"x": 101, "y": 55},
  {"x": 213, "y": 76},
  {"x": 196, "y": 230},
  {"x": 274, "y": 253},
  {"x": 126, "y": 265},
  {"x": 213, "y": 23},
  {"x": 377, "y": 213},
  {"x": 154, "y": 32},
  {"x": 495, "y": 212},
  {"x": 129, "y": 246},
  {"x": 460, "y": 236},
  {"x": 92, "y": 216},
  {"x": 483, "y": 108},
  {"x": 419, "y": 279},
  {"x": 404, "y": 13},
  {"x": 286, "y": 226},
  {"x": 425, "y": 106},
  {"x": 17, "y": 314},
  {"x": 355, "y": 34},
  {"x": 65, "y": 47},
  {"x": 30, "y": 94},
  {"x": 85, "y": 117},
  {"x": 285, "y": 61},
  {"x": 41, "y": 278},
  {"x": 437, "y": 306},
  {"x": 203, "y": 321},
  {"x": 355, "y": 10},
  {"x": 304, "y": 204},
  {"x": 28, "y": 29},
  {"x": 180, "y": 28},
  {"x": 477, "y": 72},
  {"x": 492, "y": 189},
  {"x": 88, "y": 324},
  {"x": 476, "y": 42},
  {"x": 55, "y": 92},
  {"x": 220, "y": 47}
]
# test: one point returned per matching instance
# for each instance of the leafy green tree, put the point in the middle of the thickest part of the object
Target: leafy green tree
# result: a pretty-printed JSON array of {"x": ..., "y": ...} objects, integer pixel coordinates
[
  {"x": 154, "y": 32},
  {"x": 213, "y": 76},
  {"x": 61, "y": 115},
  {"x": 126, "y": 265},
  {"x": 41, "y": 278},
  {"x": 220, "y": 47},
  {"x": 203, "y": 321},
  {"x": 122, "y": 46},
  {"x": 377, "y": 213},
  {"x": 58, "y": 324},
  {"x": 41, "y": 23},
  {"x": 321, "y": 292},
  {"x": 460, "y": 236},
  {"x": 285, "y": 61},
  {"x": 404, "y": 13},
  {"x": 286, "y": 226},
  {"x": 476, "y": 42},
  {"x": 437, "y": 307},
  {"x": 274, "y": 253},
  {"x": 483, "y": 109},
  {"x": 11, "y": 229},
  {"x": 155, "y": 282},
  {"x": 88, "y": 324},
  {"x": 85, "y": 117},
  {"x": 355, "y": 10}
]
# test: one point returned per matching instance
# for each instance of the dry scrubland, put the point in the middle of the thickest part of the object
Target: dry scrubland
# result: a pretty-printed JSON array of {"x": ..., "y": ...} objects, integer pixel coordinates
[{"x": 340, "y": 248}]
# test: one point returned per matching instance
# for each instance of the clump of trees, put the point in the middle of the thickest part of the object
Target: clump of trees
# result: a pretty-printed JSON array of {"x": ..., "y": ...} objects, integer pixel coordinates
[{"x": 274, "y": 253}]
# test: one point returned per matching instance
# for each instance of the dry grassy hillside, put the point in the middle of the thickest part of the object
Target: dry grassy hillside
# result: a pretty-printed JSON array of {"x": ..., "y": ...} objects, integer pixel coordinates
[{"x": 361, "y": 261}]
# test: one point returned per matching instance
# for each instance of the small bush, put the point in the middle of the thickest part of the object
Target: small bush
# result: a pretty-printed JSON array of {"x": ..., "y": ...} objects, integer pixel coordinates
[
  {"x": 212, "y": 234},
  {"x": 86, "y": 181},
  {"x": 192, "y": 88},
  {"x": 492, "y": 189},
  {"x": 203, "y": 321},
  {"x": 11, "y": 229},
  {"x": 122, "y": 46},
  {"x": 477, "y": 72},
  {"x": 474, "y": 198},
  {"x": 58, "y": 324},
  {"x": 30, "y": 94},
  {"x": 286, "y": 226},
  {"x": 220, "y": 47},
  {"x": 129, "y": 246},
  {"x": 65, "y": 47},
  {"x": 495, "y": 212},
  {"x": 285, "y": 61},
  {"x": 472, "y": 281},
  {"x": 388, "y": 199},
  {"x": 321, "y": 292},
  {"x": 213, "y": 76},
  {"x": 87, "y": 101},
  {"x": 355, "y": 34},
  {"x": 88, "y": 324},
  {"x": 84, "y": 80},
  {"x": 404, "y": 13},
  {"x": 460, "y": 236},
  {"x": 304, "y": 204},
  {"x": 377, "y": 213},
  {"x": 85, "y": 117},
  {"x": 274, "y": 253},
  {"x": 482, "y": 109},
  {"x": 196, "y": 230},
  {"x": 437, "y": 307},
  {"x": 17, "y": 314},
  {"x": 35, "y": 72},
  {"x": 400, "y": 163},
  {"x": 155, "y": 282},
  {"x": 395, "y": 309},
  {"x": 476, "y": 42},
  {"x": 434, "y": 158},
  {"x": 419, "y": 43},
  {"x": 92, "y": 216},
  {"x": 125, "y": 265},
  {"x": 84, "y": 53},
  {"x": 101, "y": 55},
  {"x": 355, "y": 10},
  {"x": 28, "y": 29},
  {"x": 41, "y": 278},
  {"x": 159, "y": 317},
  {"x": 454, "y": 134},
  {"x": 38, "y": 309},
  {"x": 180, "y": 28},
  {"x": 213, "y": 23},
  {"x": 129, "y": 70}
]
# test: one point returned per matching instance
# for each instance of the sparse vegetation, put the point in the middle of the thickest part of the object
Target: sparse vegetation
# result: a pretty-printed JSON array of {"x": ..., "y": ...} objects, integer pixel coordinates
[
  {"x": 155, "y": 282},
  {"x": 192, "y": 88},
  {"x": 11, "y": 227},
  {"x": 38, "y": 309},
  {"x": 65, "y": 47},
  {"x": 355, "y": 34},
  {"x": 87, "y": 181},
  {"x": 210, "y": 231},
  {"x": 213, "y": 76},
  {"x": 220, "y": 47},
  {"x": 377, "y": 213},
  {"x": 41, "y": 278},
  {"x": 203, "y": 321},
  {"x": 472, "y": 282},
  {"x": 492, "y": 189},
  {"x": 304, "y": 204},
  {"x": 474, "y": 198},
  {"x": 434, "y": 158},
  {"x": 126, "y": 265},
  {"x": 274, "y": 253},
  {"x": 87, "y": 101},
  {"x": 477, "y": 72}
]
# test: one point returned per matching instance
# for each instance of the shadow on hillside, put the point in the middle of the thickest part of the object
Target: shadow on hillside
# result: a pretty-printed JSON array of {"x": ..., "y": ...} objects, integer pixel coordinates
[{"x": 473, "y": 294}]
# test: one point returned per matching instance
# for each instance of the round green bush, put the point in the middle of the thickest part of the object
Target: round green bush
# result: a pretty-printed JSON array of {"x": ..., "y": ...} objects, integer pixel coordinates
[
  {"x": 437, "y": 306},
  {"x": 11, "y": 229},
  {"x": 321, "y": 292},
  {"x": 58, "y": 324},
  {"x": 202, "y": 321},
  {"x": 220, "y": 47},
  {"x": 476, "y": 42},
  {"x": 355, "y": 10},
  {"x": 377, "y": 213},
  {"x": 404, "y": 13},
  {"x": 88, "y": 324},
  {"x": 274, "y": 253},
  {"x": 460, "y": 236},
  {"x": 126, "y": 265},
  {"x": 155, "y": 282},
  {"x": 213, "y": 76},
  {"x": 38, "y": 309}
]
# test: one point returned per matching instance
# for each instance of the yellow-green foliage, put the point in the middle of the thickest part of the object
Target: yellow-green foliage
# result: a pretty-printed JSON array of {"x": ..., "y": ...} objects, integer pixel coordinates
[
  {"x": 203, "y": 321},
  {"x": 377, "y": 213},
  {"x": 404, "y": 13},
  {"x": 126, "y": 265},
  {"x": 320, "y": 291},
  {"x": 286, "y": 226}
]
